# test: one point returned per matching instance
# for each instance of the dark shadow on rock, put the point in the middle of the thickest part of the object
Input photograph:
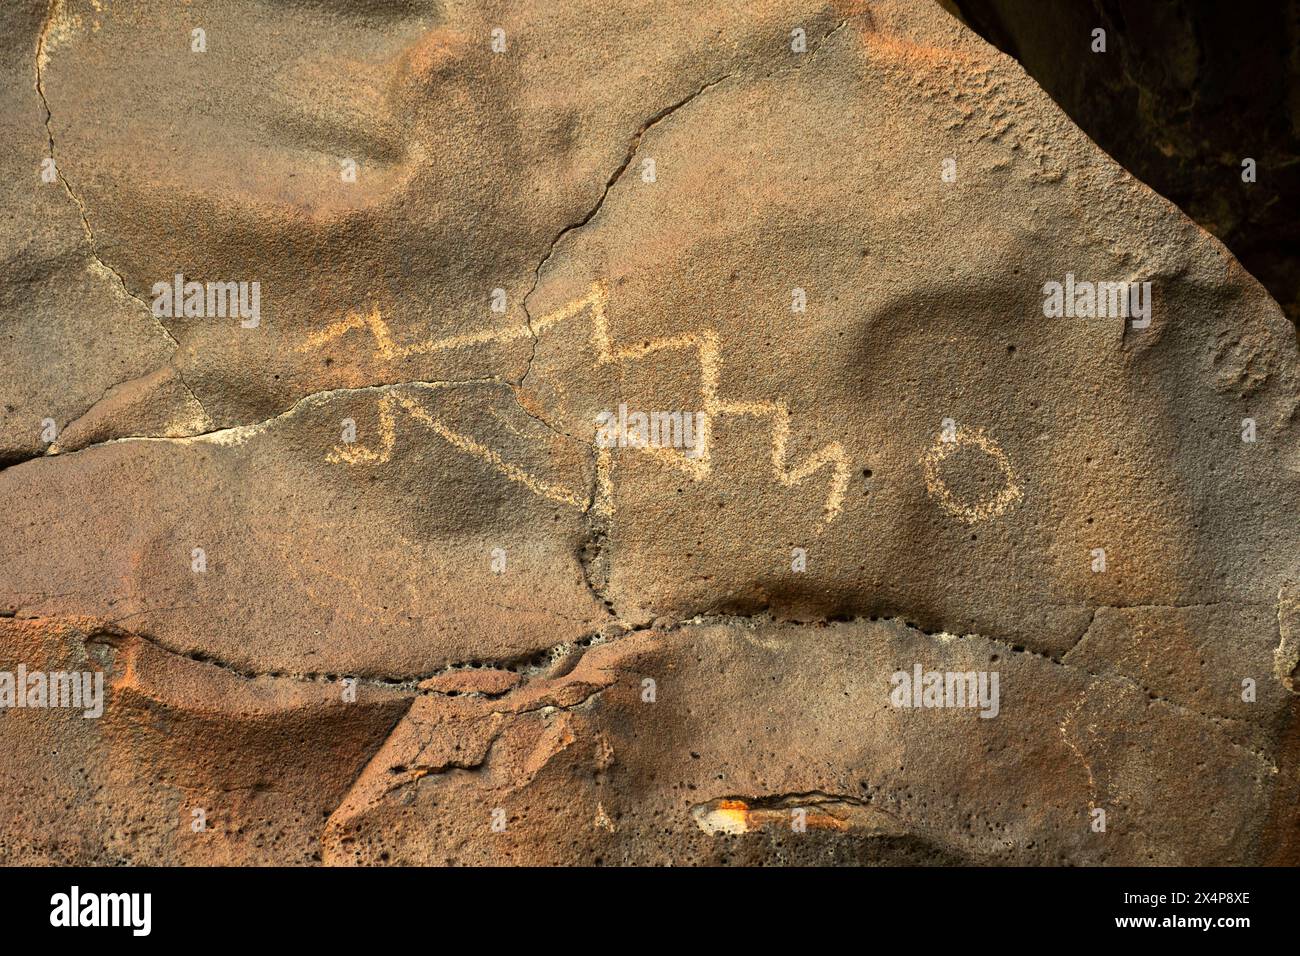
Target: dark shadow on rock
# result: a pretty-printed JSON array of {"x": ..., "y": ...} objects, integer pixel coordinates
[{"x": 1182, "y": 95}]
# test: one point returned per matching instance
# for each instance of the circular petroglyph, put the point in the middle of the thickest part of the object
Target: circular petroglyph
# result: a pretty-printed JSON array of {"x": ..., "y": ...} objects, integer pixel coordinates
[{"x": 978, "y": 510}]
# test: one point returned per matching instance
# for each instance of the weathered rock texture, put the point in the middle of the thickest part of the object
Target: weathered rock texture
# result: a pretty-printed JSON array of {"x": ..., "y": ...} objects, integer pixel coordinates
[
  {"x": 1182, "y": 95},
  {"x": 472, "y": 635}
]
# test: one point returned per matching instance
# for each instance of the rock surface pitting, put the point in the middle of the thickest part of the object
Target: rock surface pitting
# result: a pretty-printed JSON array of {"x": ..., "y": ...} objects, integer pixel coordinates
[{"x": 354, "y": 678}]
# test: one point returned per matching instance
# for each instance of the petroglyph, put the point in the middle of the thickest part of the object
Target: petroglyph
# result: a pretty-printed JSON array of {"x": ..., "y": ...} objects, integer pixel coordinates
[
  {"x": 698, "y": 465},
  {"x": 434, "y": 643},
  {"x": 387, "y": 407},
  {"x": 939, "y": 490}
]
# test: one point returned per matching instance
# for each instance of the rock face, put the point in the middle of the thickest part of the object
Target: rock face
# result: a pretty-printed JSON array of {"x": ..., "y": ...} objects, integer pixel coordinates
[
  {"x": 1183, "y": 94},
  {"x": 365, "y": 581}
]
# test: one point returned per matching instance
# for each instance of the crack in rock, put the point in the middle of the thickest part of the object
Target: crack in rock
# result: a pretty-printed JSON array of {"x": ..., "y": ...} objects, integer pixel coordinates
[{"x": 91, "y": 246}]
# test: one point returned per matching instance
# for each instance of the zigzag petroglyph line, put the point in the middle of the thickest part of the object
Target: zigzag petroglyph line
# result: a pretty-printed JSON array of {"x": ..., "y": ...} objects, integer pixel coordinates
[
  {"x": 388, "y": 405},
  {"x": 699, "y": 466}
]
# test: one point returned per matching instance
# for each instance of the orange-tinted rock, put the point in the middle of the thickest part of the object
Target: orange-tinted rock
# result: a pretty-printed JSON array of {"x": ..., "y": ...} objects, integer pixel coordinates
[{"x": 365, "y": 585}]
